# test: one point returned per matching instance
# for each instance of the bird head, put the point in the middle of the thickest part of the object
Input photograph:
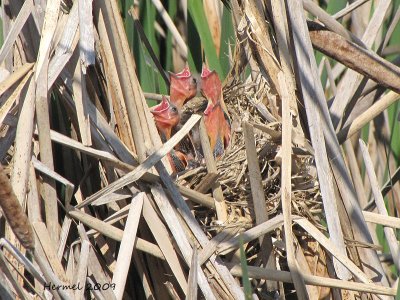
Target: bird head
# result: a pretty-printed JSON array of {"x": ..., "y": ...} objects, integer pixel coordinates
[
  {"x": 211, "y": 87},
  {"x": 166, "y": 116},
  {"x": 183, "y": 87}
]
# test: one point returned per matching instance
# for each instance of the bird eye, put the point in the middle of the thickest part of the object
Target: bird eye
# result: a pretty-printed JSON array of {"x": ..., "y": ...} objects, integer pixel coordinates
[{"x": 174, "y": 109}]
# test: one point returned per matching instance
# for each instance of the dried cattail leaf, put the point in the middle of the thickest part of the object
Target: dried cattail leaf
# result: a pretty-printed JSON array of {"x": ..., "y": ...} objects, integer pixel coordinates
[{"x": 14, "y": 214}]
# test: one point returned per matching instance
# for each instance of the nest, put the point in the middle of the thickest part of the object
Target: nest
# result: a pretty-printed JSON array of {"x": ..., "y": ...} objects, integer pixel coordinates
[
  {"x": 233, "y": 174},
  {"x": 84, "y": 200}
]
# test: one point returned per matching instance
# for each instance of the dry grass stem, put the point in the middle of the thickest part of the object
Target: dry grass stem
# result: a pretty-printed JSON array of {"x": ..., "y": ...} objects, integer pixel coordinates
[
  {"x": 87, "y": 192},
  {"x": 380, "y": 204},
  {"x": 314, "y": 280},
  {"x": 127, "y": 244}
]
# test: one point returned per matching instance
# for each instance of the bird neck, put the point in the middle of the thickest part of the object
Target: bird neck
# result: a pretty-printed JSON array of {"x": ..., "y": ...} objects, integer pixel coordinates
[
  {"x": 211, "y": 108},
  {"x": 165, "y": 132}
]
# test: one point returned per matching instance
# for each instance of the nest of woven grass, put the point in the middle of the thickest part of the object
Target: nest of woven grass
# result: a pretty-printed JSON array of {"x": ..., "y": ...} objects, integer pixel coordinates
[{"x": 243, "y": 100}]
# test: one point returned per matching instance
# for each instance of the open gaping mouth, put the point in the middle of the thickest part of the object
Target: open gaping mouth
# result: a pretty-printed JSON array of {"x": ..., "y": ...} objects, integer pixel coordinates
[
  {"x": 161, "y": 108},
  {"x": 185, "y": 73},
  {"x": 205, "y": 72}
]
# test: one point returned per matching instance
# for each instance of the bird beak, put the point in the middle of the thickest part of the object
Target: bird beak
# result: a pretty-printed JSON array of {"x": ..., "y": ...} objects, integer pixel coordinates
[
  {"x": 184, "y": 74},
  {"x": 210, "y": 84},
  {"x": 162, "y": 107},
  {"x": 183, "y": 87},
  {"x": 205, "y": 71},
  {"x": 169, "y": 102}
]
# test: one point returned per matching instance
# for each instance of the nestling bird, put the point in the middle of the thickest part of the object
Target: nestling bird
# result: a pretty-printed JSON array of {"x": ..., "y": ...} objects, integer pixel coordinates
[
  {"x": 216, "y": 117},
  {"x": 166, "y": 115},
  {"x": 183, "y": 87}
]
